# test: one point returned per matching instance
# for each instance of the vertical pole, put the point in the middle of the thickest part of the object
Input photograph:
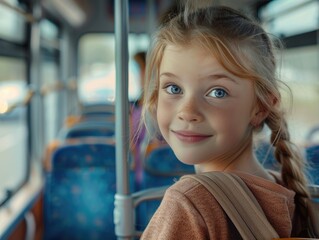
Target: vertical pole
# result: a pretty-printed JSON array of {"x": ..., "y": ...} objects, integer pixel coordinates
[
  {"x": 123, "y": 211},
  {"x": 36, "y": 104},
  {"x": 121, "y": 103}
]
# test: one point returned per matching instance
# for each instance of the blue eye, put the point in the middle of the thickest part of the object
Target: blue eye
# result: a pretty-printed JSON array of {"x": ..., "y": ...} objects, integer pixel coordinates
[
  {"x": 218, "y": 93},
  {"x": 173, "y": 89}
]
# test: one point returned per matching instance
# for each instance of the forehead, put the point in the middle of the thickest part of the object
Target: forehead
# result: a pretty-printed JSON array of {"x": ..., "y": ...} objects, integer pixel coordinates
[{"x": 190, "y": 57}]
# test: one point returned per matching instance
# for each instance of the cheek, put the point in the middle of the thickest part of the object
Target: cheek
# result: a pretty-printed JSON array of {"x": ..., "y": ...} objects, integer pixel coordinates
[
  {"x": 235, "y": 120},
  {"x": 163, "y": 115},
  {"x": 241, "y": 112}
]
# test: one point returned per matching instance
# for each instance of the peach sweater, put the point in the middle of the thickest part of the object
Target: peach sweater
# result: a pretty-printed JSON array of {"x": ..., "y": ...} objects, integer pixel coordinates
[{"x": 189, "y": 212}]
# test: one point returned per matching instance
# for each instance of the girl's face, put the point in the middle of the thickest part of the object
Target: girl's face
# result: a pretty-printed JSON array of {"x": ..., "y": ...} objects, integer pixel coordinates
[{"x": 203, "y": 111}]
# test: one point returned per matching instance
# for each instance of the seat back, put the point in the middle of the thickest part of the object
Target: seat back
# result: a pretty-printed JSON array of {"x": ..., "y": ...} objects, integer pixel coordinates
[
  {"x": 88, "y": 129},
  {"x": 79, "y": 192},
  {"x": 98, "y": 109},
  {"x": 161, "y": 168},
  {"x": 312, "y": 156},
  {"x": 264, "y": 152}
]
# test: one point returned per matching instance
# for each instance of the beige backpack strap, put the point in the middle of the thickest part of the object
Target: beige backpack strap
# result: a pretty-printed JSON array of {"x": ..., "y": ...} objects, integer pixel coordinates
[{"x": 239, "y": 203}]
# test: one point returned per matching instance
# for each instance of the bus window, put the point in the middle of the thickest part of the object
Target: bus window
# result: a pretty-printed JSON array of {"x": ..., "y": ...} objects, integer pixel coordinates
[
  {"x": 299, "y": 60},
  {"x": 97, "y": 67},
  {"x": 13, "y": 149},
  {"x": 12, "y": 25},
  {"x": 300, "y": 72},
  {"x": 277, "y": 17},
  {"x": 13, "y": 90}
]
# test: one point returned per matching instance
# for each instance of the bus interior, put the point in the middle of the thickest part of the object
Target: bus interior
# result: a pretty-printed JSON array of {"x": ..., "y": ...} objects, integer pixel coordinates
[{"x": 69, "y": 81}]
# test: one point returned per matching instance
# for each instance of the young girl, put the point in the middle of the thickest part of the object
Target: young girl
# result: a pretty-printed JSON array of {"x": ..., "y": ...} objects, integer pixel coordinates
[{"x": 210, "y": 84}]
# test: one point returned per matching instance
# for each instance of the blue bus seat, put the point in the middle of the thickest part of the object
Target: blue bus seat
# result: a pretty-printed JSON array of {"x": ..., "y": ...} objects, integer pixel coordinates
[
  {"x": 264, "y": 152},
  {"x": 102, "y": 109},
  {"x": 98, "y": 118},
  {"x": 161, "y": 168},
  {"x": 79, "y": 192},
  {"x": 312, "y": 156},
  {"x": 88, "y": 129}
]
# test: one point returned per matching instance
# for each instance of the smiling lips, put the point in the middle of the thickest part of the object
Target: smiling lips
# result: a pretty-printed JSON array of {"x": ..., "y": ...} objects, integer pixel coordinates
[{"x": 190, "y": 137}]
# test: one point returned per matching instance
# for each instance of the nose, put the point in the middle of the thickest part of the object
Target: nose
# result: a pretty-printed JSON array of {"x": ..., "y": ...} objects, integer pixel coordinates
[{"x": 189, "y": 111}]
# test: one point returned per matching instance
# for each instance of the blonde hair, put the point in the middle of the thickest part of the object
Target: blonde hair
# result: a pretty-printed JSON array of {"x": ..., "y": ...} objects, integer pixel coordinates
[{"x": 243, "y": 48}]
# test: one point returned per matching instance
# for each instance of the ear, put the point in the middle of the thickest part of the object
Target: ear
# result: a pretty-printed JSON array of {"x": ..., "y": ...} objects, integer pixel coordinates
[
  {"x": 259, "y": 115},
  {"x": 260, "y": 112}
]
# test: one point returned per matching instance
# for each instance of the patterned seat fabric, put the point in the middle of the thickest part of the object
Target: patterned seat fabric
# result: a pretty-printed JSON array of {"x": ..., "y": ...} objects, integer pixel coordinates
[
  {"x": 161, "y": 167},
  {"x": 264, "y": 152},
  {"x": 312, "y": 156},
  {"x": 79, "y": 192},
  {"x": 84, "y": 155}
]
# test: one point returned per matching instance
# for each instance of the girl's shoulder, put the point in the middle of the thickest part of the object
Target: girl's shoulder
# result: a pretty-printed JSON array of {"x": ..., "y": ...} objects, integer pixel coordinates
[
  {"x": 256, "y": 184},
  {"x": 189, "y": 190},
  {"x": 185, "y": 185},
  {"x": 270, "y": 195},
  {"x": 266, "y": 192}
]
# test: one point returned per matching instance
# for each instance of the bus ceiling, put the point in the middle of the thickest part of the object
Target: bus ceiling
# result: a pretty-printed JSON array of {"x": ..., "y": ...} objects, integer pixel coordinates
[{"x": 79, "y": 13}]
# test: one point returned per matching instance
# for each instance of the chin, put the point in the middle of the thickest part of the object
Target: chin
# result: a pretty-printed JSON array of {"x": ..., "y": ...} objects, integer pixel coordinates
[{"x": 187, "y": 160}]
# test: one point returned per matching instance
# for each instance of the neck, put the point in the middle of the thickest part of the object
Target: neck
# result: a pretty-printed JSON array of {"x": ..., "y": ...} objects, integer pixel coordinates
[
  {"x": 246, "y": 163},
  {"x": 241, "y": 159}
]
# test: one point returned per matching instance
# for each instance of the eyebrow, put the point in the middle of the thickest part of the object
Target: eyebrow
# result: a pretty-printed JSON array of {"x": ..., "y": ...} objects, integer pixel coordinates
[
  {"x": 211, "y": 76},
  {"x": 168, "y": 74},
  {"x": 218, "y": 76}
]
